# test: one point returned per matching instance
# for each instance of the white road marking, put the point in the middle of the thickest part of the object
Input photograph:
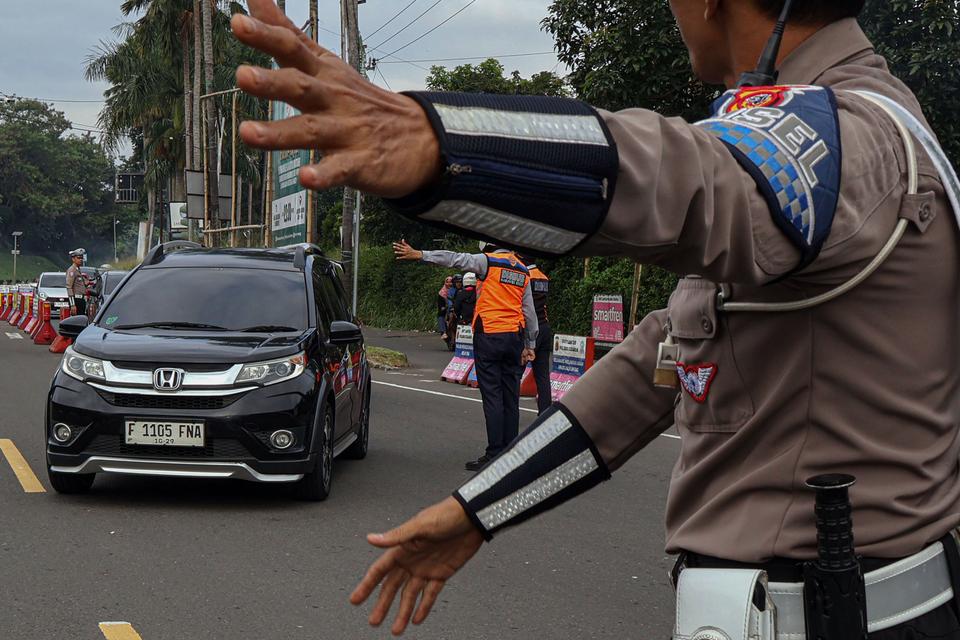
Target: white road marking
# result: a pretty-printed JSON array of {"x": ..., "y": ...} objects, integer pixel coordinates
[
  {"x": 451, "y": 395},
  {"x": 15, "y": 336}
]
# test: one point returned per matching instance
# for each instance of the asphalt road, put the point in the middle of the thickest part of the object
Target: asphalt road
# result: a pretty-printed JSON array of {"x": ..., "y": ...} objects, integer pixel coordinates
[{"x": 190, "y": 560}]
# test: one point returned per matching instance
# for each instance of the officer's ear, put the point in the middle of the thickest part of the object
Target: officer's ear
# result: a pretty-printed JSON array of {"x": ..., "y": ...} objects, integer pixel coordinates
[{"x": 710, "y": 8}]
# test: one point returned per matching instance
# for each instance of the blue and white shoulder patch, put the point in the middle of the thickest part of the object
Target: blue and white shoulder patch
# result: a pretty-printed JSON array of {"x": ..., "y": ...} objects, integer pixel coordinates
[{"x": 788, "y": 139}]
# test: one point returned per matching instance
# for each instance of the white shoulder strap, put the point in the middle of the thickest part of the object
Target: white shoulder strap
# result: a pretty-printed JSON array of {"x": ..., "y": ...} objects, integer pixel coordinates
[
  {"x": 947, "y": 173},
  {"x": 909, "y": 127}
]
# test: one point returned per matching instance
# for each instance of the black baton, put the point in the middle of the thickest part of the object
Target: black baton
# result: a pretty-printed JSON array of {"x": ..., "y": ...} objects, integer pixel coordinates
[{"x": 834, "y": 595}]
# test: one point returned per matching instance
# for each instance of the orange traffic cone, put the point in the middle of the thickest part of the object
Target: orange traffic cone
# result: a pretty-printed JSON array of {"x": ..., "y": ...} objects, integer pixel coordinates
[{"x": 60, "y": 343}]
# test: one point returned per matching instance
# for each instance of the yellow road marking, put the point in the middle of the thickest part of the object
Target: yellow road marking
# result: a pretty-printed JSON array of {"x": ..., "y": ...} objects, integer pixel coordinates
[
  {"x": 26, "y": 476},
  {"x": 119, "y": 631}
]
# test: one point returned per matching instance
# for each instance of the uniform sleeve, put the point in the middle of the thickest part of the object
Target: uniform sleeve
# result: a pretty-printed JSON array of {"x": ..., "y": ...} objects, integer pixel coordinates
[
  {"x": 532, "y": 329},
  {"x": 476, "y": 262},
  {"x": 576, "y": 444},
  {"x": 71, "y": 276},
  {"x": 553, "y": 177}
]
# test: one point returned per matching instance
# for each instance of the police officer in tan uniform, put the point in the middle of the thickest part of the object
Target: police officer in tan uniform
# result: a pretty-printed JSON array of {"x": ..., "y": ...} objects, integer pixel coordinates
[{"x": 815, "y": 331}]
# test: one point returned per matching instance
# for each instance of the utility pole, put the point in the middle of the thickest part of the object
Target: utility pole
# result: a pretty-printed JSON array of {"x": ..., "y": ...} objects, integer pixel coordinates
[
  {"x": 212, "y": 191},
  {"x": 350, "y": 50},
  {"x": 311, "y": 200},
  {"x": 16, "y": 251}
]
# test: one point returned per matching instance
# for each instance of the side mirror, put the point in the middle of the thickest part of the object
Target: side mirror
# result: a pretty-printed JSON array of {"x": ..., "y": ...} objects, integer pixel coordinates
[
  {"x": 72, "y": 326},
  {"x": 342, "y": 332}
]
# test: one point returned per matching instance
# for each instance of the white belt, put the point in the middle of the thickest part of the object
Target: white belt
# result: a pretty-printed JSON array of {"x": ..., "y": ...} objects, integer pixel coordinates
[
  {"x": 897, "y": 593},
  {"x": 723, "y": 604}
]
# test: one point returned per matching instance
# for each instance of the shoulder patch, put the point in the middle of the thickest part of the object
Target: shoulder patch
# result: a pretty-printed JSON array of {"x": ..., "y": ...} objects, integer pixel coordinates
[{"x": 788, "y": 139}]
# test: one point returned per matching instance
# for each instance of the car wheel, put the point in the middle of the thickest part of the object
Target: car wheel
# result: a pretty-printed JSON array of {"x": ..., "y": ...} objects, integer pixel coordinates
[
  {"x": 70, "y": 483},
  {"x": 315, "y": 486},
  {"x": 358, "y": 450}
]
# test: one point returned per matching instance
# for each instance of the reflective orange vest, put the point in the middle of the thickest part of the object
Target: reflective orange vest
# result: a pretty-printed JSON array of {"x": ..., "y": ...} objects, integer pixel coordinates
[
  {"x": 540, "y": 288},
  {"x": 500, "y": 300}
]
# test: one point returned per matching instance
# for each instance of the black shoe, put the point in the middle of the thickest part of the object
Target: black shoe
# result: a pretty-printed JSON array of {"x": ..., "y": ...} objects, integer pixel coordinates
[{"x": 479, "y": 463}]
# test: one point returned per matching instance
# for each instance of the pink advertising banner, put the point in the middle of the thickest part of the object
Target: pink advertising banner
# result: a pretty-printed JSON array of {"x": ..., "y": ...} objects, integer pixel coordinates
[{"x": 608, "y": 318}]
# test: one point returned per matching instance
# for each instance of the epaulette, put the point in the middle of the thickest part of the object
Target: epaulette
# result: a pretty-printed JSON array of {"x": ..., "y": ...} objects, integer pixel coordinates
[{"x": 788, "y": 139}]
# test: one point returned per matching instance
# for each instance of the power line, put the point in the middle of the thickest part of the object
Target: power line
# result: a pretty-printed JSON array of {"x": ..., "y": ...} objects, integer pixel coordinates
[
  {"x": 5, "y": 95},
  {"x": 384, "y": 78},
  {"x": 395, "y": 16},
  {"x": 404, "y": 28},
  {"x": 421, "y": 37},
  {"x": 376, "y": 49},
  {"x": 507, "y": 55}
]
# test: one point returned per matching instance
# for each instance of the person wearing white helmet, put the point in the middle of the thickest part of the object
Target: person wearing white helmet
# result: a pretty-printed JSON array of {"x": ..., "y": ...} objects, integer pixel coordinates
[
  {"x": 76, "y": 287},
  {"x": 465, "y": 302}
]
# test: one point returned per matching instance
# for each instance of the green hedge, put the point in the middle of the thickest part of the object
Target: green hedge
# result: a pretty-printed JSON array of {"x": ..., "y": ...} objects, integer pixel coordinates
[{"x": 402, "y": 295}]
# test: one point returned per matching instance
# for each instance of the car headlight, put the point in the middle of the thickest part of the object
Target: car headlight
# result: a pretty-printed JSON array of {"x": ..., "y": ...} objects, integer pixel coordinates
[
  {"x": 43, "y": 296},
  {"x": 81, "y": 367},
  {"x": 272, "y": 371}
]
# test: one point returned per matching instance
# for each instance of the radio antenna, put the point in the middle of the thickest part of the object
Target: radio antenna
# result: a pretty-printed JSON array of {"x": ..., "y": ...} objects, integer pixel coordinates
[{"x": 766, "y": 73}]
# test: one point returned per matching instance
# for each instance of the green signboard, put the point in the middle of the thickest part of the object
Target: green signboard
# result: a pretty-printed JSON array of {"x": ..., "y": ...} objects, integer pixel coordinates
[{"x": 289, "y": 206}]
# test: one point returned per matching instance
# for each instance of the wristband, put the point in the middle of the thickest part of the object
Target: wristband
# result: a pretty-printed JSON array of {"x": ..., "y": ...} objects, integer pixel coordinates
[{"x": 534, "y": 172}]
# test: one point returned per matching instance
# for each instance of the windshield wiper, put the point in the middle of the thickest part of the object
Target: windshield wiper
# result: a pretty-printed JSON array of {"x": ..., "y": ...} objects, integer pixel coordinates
[
  {"x": 267, "y": 328},
  {"x": 171, "y": 325}
]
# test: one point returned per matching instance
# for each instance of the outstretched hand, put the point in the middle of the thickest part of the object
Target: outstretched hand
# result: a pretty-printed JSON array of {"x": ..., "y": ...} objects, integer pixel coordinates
[
  {"x": 422, "y": 554},
  {"x": 403, "y": 251},
  {"x": 374, "y": 140}
]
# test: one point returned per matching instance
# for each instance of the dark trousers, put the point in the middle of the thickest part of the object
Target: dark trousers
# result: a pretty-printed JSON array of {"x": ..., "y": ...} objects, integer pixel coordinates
[
  {"x": 497, "y": 361},
  {"x": 81, "y": 305},
  {"x": 541, "y": 367}
]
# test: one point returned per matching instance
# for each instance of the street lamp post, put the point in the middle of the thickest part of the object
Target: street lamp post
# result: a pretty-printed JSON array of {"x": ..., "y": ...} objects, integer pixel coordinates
[
  {"x": 16, "y": 251},
  {"x": 115, "y": 221}
]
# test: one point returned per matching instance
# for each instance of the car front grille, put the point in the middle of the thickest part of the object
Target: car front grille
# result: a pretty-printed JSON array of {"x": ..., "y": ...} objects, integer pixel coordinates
[
  {"x": 172, "y": 401},
  {"x": 114, "y": 445}
]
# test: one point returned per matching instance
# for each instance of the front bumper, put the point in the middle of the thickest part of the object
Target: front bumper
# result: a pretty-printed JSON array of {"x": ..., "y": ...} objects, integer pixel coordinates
[{"x": 236, "y": 432}]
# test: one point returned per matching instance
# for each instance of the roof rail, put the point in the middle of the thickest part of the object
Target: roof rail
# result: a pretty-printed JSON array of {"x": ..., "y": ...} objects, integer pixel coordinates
[
  {"x": 301, "y": 251},
  {"x": 156, "y": 254}
]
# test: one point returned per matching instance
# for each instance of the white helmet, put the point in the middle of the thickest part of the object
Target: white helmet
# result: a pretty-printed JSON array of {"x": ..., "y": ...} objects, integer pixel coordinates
[
  {"x": 78, "y": 253},
  {"x": 469, "y": 279}
]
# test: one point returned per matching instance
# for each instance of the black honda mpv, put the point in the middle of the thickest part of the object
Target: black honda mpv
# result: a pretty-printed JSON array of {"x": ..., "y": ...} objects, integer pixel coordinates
[{"x": 213, "y": 363}]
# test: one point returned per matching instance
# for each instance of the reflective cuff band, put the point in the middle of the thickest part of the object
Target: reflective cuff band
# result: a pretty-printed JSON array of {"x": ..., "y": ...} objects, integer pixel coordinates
[
  {"x": 531, "y": 172},
  {"x": 552, "y": 461}
]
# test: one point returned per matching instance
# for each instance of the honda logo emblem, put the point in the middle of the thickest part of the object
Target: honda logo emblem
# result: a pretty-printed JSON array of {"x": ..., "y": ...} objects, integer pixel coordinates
[{"x": 167, "y": 379}]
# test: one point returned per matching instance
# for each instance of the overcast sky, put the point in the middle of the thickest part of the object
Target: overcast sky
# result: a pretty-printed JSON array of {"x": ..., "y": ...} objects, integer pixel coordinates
[{"x": 44, "y": 43}]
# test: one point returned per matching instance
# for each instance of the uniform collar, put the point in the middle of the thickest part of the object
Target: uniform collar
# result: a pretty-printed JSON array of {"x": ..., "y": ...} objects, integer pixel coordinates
[{"x": 827, "y": 48}]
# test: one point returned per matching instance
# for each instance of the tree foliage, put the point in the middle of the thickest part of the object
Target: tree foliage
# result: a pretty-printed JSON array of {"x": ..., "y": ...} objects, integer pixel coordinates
[
  {"x": 488, "y": 77},
  {"x": 56, "y": 188},
  {"x": 627, "y": 53},
  {"x": 921, "y": 41}
]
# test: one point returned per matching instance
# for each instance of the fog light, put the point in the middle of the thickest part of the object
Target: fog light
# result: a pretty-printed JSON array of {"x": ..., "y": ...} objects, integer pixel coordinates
[
  {"x": 62, "y": 432},
  {"x": 281, "y": 439}
]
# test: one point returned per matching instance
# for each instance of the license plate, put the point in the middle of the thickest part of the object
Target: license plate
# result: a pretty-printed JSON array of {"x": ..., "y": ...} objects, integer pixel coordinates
[
  {"x": 62, "y": 305},
  {"x": 168, "y": 434}
]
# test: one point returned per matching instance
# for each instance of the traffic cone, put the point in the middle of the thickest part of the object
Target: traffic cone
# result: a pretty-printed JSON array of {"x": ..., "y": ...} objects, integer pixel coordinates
[
  {"x": 33, "y": 318},
  {"x": 60, "y": 343},
  {"x": 27, "y": 313},
  {"x": 528, "y": 384},
  {"x": 46, "y": 333},
  {"x": 17, "y": 311}
]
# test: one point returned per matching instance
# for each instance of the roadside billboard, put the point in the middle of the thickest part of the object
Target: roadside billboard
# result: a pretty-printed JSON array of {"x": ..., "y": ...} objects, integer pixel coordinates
[
  {"x": 288, "y": 224},
  {"x": 608, "y": 319}
]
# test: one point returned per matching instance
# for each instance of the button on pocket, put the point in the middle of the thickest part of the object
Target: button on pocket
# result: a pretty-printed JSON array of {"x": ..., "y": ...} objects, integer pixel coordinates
[{"x": 713, "y": 398}]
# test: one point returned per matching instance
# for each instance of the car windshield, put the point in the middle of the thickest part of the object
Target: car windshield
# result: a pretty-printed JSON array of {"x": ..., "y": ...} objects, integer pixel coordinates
[
  {"x": 54, "y": 280},
  {"x": 208, "y": 298}
]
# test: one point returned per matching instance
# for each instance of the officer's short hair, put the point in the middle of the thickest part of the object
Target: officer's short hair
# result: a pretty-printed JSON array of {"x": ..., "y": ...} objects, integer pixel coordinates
[{"x": 814, "y": 11}]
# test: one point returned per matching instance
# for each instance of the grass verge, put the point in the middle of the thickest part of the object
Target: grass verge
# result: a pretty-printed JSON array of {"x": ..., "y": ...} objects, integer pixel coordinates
[{"x": 381, "y": 358}]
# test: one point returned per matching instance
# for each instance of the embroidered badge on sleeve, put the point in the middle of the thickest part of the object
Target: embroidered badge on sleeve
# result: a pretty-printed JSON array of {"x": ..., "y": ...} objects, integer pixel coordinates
[
  {"x": 697, "y": 378},
  {"x": 788, "y": 139}
]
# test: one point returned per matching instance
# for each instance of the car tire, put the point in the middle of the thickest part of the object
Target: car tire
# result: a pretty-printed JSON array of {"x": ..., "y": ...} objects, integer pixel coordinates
[
  {"x": 70, "y": 483},
  {"x": 358, "y": 450},
  {"x": 315, "y": 486}
]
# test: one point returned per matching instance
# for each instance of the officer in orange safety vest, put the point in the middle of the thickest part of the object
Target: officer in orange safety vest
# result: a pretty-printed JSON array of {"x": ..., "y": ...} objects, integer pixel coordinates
[{"x": 505, "y": 330}]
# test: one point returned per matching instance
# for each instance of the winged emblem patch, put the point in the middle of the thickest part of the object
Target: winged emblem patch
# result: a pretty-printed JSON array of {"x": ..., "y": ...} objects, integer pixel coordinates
[{"x": 696, "y": 379}]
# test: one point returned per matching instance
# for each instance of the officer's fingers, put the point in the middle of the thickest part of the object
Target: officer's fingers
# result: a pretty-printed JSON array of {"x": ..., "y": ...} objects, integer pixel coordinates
[
  {"x": 387, "y": 593},
  {"x": 430, "y": 594},
  {"x": 383, "y": 565},
  {"x": 408, "y": 601},
  {"x": 404, "y": 533},
  {"x": 289, "y": 49},
  {"x": 305, "y": 131},
  {"x": 289, "y": 85},
  {"x": 268, "y": 12},
  {"x": 335, "y": 170}
]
